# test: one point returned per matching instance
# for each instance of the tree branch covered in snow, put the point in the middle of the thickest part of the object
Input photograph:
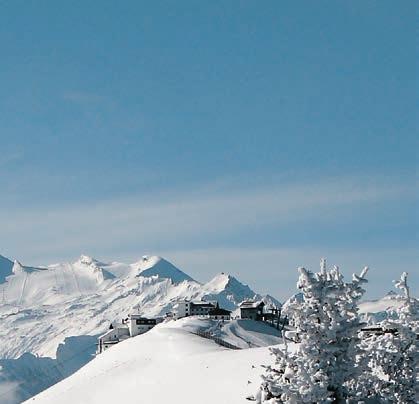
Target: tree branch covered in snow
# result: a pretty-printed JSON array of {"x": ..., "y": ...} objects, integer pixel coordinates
[
  {"x": 402, "y": 284},
  {"x": 392, "y": 355}
]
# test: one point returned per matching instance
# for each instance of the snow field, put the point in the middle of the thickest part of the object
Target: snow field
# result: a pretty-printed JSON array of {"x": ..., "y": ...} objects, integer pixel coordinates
[{"x": 166, "y": 365}]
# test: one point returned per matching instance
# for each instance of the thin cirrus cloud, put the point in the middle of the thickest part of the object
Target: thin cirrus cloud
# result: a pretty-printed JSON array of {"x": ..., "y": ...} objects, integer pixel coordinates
[
  {"x": 189, "y": 218},
  {"x": 274, "y": 270},
  {"x": 10, "y": 158}
]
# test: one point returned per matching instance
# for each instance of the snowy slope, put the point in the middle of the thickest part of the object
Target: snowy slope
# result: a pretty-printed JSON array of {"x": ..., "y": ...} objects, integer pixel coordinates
[
  {"x": 64, "y": 307},
  {"x": 240, "y": 333},
  {"x": 42, "y": 306},
  {"x": 374, "y": 311},
  {"x": 166, "y": 365}
]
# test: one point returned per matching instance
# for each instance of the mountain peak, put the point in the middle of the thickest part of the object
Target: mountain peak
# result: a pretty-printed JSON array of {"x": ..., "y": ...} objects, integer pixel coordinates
[
  {"x": 154, "y": 265},
  {"x": 87, "y": 260},
  {"x": 17, "y": 267},
  {"x": 271, "y": 302},
  {"x": 96, "y": 266},
  {"x": 227, "y": 290},
  {"x": 220, "y": 281},
  {"x": 224, "y": 281}
]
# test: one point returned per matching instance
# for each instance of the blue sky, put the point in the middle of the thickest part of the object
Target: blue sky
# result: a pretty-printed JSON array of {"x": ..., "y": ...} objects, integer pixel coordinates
[{"x": 243, "y": 137}]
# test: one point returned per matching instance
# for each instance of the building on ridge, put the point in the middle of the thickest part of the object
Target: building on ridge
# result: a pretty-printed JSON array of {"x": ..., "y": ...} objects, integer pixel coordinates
[
  {"x": 133, "y": 325},
  {"x": 252, "y": 310},
  {"x": 186, "y": 308},
  {"x": 138, "y": 324},
  {"x": 115, "y": 334},
  {"x": 219, "y": 314}
]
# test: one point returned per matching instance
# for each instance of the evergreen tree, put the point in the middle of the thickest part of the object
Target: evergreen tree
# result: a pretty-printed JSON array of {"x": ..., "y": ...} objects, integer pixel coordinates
[
  {"x": 392, "y": 354},
  {"x": 327, "y": 322}
]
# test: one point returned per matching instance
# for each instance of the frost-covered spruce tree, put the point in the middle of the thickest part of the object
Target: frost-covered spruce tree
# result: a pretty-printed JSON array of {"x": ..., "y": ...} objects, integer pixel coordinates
[
  {"x": 393, "y": 354},
  {"x": 327, "y": 324}
]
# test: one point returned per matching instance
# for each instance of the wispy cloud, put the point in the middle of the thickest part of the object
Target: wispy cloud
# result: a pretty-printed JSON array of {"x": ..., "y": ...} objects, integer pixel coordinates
[
  {"x": 9, "y": 158},
  {"x": 274, "y": 270},
  {"x": 171, "y": 219},
  {"x": 104, "y": 112},
  {"x": 207, "y": 229}
]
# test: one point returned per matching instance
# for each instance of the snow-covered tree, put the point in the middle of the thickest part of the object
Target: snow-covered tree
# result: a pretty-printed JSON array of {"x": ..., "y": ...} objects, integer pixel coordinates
[
  {"x": 327, "y": 323},
  {"x": 392, "y": 354}
]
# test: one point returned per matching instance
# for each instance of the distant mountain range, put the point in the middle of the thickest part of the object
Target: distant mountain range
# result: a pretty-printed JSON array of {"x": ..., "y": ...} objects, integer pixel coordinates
[
  {"x": 53, "y": 313},
  {"x": 51, "y": 316}
]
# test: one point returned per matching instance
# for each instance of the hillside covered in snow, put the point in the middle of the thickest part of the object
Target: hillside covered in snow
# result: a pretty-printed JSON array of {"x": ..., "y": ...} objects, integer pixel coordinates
[
  {"x": 51, "y": 316},
  {"x": 168, "y": 364}
]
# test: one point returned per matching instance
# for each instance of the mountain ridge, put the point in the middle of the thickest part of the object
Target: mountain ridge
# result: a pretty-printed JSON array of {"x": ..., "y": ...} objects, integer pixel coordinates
[
  {"x": 65, "y": 306},
  {"x": 93, "y": 293}
]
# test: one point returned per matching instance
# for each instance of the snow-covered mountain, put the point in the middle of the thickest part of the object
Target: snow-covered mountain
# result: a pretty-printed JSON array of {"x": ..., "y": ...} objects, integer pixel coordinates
[
  {"x": 374, "y": 311},
  {"x": 52, "y": 315},
  {"x": 371, "y": 311},
  {"x": 166, "y": 365}
]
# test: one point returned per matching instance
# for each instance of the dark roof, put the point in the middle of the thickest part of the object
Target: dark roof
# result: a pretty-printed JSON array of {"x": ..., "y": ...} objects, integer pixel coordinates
[
  {"x": 250, "y": 304},
  {"x": 202, "y": 304},
  {"x": 219, "y": 312}
]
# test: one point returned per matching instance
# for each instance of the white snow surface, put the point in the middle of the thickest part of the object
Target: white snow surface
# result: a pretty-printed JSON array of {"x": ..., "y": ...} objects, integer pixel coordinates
[
  {"x": 375, "y": 311},
  {"x": 372, "y": 311},
  {"x": 52, "y": 316},
  {"x": 39, "y": 307},
  {"x": 241, "y": 333},
  {"x": 166, "y": 365}
]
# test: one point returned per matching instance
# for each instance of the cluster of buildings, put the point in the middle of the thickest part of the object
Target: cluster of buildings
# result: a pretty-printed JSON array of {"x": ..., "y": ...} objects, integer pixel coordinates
[
  {"x": 186, "y": 308},
  {"x": 131, "y": 326},
  {"x": 249, "y": 309},
  {"x": 135, "y": 324}
]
